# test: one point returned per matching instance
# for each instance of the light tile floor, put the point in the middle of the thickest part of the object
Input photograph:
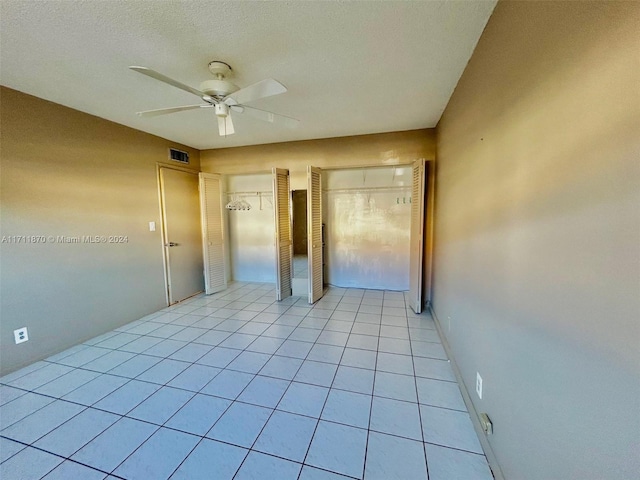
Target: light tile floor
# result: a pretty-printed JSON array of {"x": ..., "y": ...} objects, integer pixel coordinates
[
  {"x": 300, "y": 266},
  {"x": 237, "y": 386}
]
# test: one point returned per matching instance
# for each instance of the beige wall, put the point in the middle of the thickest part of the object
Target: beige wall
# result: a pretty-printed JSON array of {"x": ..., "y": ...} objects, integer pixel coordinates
[
  {"x": 66, "y": 173},
  {"x": 362, "y": 150},
  {"x": 537, "y": 252}
]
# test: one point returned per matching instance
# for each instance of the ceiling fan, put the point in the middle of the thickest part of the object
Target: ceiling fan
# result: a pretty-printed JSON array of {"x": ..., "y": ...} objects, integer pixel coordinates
[{"x": 223, "y": 97}]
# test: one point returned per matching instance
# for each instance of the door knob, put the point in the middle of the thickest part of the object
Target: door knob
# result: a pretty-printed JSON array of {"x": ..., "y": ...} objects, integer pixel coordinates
[{"x": 171, "y": 244}]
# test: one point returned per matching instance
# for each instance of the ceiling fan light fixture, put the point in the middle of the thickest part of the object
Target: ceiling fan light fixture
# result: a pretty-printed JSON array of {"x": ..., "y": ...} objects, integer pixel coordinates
[{"x": 222, "y": 110}]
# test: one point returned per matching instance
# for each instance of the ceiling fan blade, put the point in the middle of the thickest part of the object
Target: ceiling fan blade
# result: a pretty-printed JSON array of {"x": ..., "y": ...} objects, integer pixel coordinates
[
  {"x": 267, "y": 116},
  {"x": 225, "y": 126},
  {"x": 163, "y": 111},
  {"x": 265, "y": 88},
  {"x": 174, "y": 83}
]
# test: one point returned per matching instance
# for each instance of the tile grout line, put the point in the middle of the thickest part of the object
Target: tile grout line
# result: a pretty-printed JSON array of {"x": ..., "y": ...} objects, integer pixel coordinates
[
  {"x": 162, "y": 426},
  {"x": 321, "y": 319},
  {"x": 276, "y": 406},
  {"x": 83, "y": 405},
  {"x": 373, "y": 390},
  {"x": 65, "y": 459},
  {"x": 304, "y": 460},
  {"x": 415, "y": 385}
]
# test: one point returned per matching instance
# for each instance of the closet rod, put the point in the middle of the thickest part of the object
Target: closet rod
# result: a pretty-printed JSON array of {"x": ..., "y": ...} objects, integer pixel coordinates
[
  {"x": 368, "y": 189},
  {"x": 253, "y": 192}
]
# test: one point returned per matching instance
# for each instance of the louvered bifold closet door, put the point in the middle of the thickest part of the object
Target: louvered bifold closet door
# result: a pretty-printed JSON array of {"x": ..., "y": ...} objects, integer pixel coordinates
[
  {"x": 417, "y": 237},
  {"x": 314, "y": 233},
  {"x": 215, "y": 275},
  {"x": 281, "y": 208}
]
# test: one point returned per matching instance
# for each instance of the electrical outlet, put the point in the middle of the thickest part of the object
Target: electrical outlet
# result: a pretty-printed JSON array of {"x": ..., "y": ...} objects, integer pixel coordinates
[
  {"x": 486, "y": 423},
  {"x": 21, "y": 335},
  {"x": 479, "y": 385}
]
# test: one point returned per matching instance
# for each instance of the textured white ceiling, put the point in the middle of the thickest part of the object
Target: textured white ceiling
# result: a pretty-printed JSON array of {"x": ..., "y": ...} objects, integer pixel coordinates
[{"x": 351, "y": 67}]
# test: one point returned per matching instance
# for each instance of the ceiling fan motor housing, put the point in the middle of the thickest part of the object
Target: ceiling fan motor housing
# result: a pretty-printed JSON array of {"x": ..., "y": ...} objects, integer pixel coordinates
[{"x": 218, "y": 88}]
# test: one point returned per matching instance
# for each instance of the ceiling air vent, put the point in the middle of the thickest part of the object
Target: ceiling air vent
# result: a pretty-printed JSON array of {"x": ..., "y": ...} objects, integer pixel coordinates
[{"x": 178, "y": 155}]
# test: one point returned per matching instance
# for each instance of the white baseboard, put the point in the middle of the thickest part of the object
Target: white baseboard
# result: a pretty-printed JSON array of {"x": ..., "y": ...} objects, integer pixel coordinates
[{"x": 484, "y": 442}]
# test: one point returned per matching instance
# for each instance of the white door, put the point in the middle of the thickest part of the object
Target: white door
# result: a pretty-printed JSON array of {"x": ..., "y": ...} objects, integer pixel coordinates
[
  {"x": 181, "y": 233},
  {"x": 211, "y": 207},
  {"x": 282, "y": 214},
  {"x": 417, "y": 237},
  {"x": 314, "y": 233}
]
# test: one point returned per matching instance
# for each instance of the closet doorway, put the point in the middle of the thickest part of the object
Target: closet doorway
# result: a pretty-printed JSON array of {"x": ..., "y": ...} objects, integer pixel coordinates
[
  {"x": 374, "y": 219},
  {"x": 249, "y": 212},
  {"x": 246, "y": 230},
  {"x": 308, "y": 243},
  {"x": 299, "y": 234}
]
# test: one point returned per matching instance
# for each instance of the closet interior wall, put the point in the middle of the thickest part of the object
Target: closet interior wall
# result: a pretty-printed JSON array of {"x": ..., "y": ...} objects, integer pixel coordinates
[
  {"x": 367, "y": 217},
  {"x": 251, "y": 233}
]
